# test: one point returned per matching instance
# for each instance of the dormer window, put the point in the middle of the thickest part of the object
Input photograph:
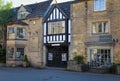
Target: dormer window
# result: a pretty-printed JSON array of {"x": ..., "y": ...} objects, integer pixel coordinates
[
  {"x": 23, "y": 12},
  {"x": 21, "y": 15}
]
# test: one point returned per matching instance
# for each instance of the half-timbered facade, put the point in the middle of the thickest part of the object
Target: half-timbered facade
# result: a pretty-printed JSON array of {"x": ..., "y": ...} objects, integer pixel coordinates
[{"x": 56, "y": 36}]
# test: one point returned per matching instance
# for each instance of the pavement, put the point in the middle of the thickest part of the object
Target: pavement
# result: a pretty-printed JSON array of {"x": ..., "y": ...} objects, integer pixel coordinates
[{"x": 31, "y": 74}]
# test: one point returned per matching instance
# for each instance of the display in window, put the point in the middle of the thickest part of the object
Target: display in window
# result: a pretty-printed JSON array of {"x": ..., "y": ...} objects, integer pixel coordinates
[
  {"x": 64, "y": 57},
  {"x": 50, "y": 56}
]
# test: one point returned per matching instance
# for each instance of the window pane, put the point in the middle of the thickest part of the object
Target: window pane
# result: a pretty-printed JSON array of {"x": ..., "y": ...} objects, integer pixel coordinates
[
  {"x": 94, "y": 28},
  {"x": 100, "y": 58},
  {"x": 106, "y": 27},
  {"x": 11, "y": 30},
  {"x": 102, "y": 4},
  {"x": 19, "y": 53},
  {"x": 96, "y": 4},
  {"x": 20, "y": 33},
  {"x": 99, "y": 5},
  {"x": 10, "y": 52},
  {"x": 56, "y": 27},
  {"x": 99, "y": 27}
]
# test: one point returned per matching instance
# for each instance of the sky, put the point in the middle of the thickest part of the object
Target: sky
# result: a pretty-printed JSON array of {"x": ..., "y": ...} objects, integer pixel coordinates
[{"x": 24, "y": 2}]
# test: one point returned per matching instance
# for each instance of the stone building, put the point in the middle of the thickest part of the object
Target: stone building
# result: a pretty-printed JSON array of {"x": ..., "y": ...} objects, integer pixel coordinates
[
  {"x": 51, "y": 33},
  {"x": 95, "y": 31}
]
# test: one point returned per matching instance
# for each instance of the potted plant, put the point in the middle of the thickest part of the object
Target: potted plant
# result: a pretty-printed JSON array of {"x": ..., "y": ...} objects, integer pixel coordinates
[
  {"x": 79, "y": 59},
  {"x": 25, "y": 61},
  {"x": 77, "y": 64}
]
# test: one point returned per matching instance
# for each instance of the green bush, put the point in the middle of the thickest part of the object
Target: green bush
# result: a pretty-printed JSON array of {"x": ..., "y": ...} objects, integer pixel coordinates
[
  {"x": 25, "y": 58},
  {"x": 79, "y": 59},
  {"x": 113, "y": 68},
  {"x": 2, "y": 55}
]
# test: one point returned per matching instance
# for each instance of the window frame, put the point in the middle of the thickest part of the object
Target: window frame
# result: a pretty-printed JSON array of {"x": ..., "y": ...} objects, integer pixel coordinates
[
  {"x": 20, "y": 30},
  {"x": 100, "y": 5},
  {"x": 105, "y": 29},
  {"x": 54, "y": 25},
  {"x": 20, "y": 50},
  {"x": 100, "y": 47},
  {"x": 10, "y": 52},
  {"x": 11, "y": 35}
]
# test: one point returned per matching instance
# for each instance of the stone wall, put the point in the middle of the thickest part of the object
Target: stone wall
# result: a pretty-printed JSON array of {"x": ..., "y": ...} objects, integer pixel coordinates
[
  {"x": 78, "y": 30},
  {"x": 34, "y": 44}
]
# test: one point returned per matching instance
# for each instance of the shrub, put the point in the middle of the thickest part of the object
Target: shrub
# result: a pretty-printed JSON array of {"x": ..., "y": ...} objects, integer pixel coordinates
[
  {"x": 79, "y": 59},
  {"x": 2, "y": 55},
  {"x": 113, "y": 68},
  {"x": 25, "y": 58}
]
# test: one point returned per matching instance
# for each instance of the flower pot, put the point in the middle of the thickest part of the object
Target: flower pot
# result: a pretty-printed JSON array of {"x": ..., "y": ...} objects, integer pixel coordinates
[{"x": 25, "y": 64}]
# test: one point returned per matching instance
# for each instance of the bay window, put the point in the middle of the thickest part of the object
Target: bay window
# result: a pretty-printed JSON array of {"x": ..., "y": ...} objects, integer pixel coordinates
[
  {"x": 11, "y": 33},
  {"x": 10, "y": 53},
  {"x": 100, "y": 57},
  {"x": 20, "y": 33}
]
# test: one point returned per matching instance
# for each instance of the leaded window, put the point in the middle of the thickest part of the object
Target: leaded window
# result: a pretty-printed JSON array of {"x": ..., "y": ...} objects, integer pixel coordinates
[
  {"x": 99, "y": 5},
  {"x": 11, "y": 33},
  {"x": 10, "y": 52},
  {"x": 19, "y": 53},
  {"x": 20, "y": 33},
  {"x": 57, "y": 27},
  {"x": 100, "y": 58},
  {"x": 100, "y": 27}
]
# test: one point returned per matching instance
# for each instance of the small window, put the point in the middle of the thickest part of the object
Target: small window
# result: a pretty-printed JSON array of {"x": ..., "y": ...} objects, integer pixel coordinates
[
  {"x": 11, "y": 30},
  {"x": 100, "y": 27},
  {"x": 10, "y": 52},
  {"x": 20, "y": 33},
  {"x": 19, "y": 53},
  {"x": 11, "y": 33},
  {"x": 99, "y": 5}
]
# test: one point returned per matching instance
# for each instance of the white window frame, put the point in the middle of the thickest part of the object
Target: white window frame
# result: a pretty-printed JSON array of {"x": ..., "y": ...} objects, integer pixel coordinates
[
  {"x": 99, "y": 5},
  {"x": 22, "y": 34},
  {"x": 18, "y": 54},
  {"x": 100, "y": 47},
  {"x": 95, "y": 27}
]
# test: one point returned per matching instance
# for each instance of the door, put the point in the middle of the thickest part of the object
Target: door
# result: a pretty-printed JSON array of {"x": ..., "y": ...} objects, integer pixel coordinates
[{"x": 57, "y": 56}]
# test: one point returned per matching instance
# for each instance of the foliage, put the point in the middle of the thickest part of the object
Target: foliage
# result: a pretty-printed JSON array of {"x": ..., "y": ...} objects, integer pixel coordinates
[
  {"x": 5, "y": 14},
  {"x": 113, "y": 68},
  {"x": 79, "y": 59},
  {"x": 25, "y": 59},
  {"x": 2, "y": 55}
]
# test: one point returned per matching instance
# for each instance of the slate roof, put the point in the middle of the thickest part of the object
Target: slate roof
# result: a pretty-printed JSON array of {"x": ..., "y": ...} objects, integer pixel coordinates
[
  {"x": 39, "y": 9},
  {"x": 18, "y": 22}
]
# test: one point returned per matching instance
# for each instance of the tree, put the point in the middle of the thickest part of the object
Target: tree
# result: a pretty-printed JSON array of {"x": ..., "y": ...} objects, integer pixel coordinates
[{"x": 5, "y": 14}]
